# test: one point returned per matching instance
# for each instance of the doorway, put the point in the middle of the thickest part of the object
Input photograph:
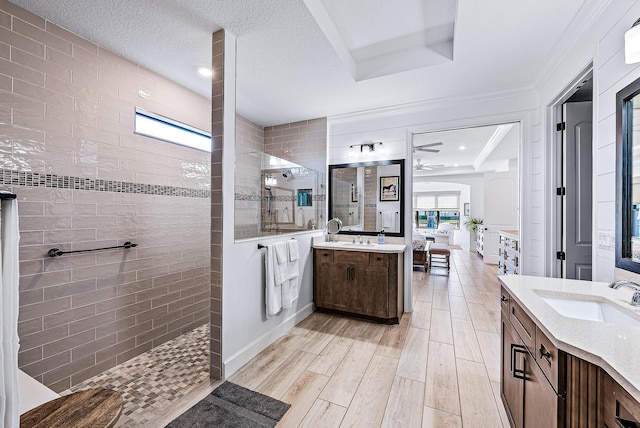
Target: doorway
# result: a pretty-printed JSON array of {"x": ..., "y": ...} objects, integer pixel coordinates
[
  {"x": 468, "y": 173},
  {"x": 572, "y": 190}
]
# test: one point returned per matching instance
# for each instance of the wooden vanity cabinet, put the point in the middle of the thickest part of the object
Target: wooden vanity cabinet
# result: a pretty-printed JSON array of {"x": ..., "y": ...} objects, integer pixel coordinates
[
  {"x": 529, "y": 398},
  {"x": 543, "y": 386},
  {"x": 360, "y": 283},
  {"x": 619, "y": 408}
]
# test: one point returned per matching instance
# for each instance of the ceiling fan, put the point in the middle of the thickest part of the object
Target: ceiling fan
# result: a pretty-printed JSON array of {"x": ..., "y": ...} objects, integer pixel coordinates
[
  {"x": 423, "y": 147},
  {"x": 425, "y": 167}
]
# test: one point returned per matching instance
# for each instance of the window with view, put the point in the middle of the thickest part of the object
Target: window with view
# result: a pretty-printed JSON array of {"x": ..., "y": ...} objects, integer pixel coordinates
[{"x": 433, "y": 209}]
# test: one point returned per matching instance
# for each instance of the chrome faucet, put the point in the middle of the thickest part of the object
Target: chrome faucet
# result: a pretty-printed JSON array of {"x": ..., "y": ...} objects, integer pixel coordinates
[
  {"x": 635, "y": 299},
  {"x": 360, "y": 239}
]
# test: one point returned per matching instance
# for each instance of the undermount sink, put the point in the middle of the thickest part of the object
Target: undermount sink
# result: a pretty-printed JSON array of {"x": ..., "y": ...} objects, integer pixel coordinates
[{"x": 591, "y": 310}]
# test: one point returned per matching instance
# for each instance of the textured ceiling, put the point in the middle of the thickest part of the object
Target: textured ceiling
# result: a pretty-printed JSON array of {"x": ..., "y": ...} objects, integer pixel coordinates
[{"x": 288, "y": 70}]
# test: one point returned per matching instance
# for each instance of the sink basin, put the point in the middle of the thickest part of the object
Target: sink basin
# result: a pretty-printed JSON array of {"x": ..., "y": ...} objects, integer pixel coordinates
[{"x": 591, "y": 310}]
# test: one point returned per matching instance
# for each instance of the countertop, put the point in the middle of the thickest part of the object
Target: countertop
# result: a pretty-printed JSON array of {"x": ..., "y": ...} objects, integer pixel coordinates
[
  {"x": 615, "y": 348},
  {"x": 513, "y": 234},
  {"x": 349, "y": 246}
]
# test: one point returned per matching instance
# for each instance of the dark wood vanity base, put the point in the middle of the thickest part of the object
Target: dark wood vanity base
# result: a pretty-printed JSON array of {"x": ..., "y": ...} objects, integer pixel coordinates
[
  {"x": 543, "y": 386},
  {"x": 364, "y": 284}
]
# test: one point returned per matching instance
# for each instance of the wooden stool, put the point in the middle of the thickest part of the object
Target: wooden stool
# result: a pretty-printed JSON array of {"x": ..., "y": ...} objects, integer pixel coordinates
[
  {"x": 441, "y": 253},
  {"x": 92, "y": 408}
]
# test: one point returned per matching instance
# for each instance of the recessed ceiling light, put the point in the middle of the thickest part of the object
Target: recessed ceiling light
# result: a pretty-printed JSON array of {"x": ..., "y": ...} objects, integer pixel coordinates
[
  {"x": 455, "y": 164},
  {"x": 462, "y": 147},
  {"x": 204, "y": 71}
]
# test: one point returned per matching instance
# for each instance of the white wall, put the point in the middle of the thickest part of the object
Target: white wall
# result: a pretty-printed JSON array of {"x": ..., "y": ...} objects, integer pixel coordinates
[{"x": 602, "y": 42}]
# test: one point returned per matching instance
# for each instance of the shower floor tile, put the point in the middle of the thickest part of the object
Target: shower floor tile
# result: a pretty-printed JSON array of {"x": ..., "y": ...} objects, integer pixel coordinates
[{"x": 154, "y": 382}]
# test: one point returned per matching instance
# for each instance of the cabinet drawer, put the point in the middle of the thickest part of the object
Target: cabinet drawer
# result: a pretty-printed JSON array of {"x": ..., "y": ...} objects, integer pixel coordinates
[
  {"x": 379, "y": 259},
  {"x": 324, "y": 256},
  {"x": 504, "y": 302},
  {"x": 547, "y": 357},
  {"x": 524, "y": 325},
  {"x": 352, "y": 257}
]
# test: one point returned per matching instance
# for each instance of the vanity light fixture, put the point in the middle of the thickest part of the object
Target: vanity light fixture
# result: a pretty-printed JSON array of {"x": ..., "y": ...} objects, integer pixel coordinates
[
  {"x": 632, "y": 44},
  {"x": 367, "y": 147}
]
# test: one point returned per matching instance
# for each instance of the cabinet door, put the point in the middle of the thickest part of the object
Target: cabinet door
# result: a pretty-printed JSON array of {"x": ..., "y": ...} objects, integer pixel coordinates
[
  {"x": 335, "y": 286},
  {"x": 540, "y": 400},
  {"x": 372, "y": 291},
  {"x": 512, "y": 387},
  {"x": 620, "y": 409}
]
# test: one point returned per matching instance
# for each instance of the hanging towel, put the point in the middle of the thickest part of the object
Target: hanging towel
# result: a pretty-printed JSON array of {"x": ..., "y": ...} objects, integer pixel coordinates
[
  {"x": 281, "y": 269},
  {"x": 290, "y": 287},
  {"x": 9, "y": 343},
  {"x": 388, "y": 221},
  {"x": 273, "y": 291}
]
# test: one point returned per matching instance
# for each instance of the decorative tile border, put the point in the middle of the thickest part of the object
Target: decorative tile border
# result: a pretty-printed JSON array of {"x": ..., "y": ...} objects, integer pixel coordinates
[
  {"x": 35, "y": 179},
  {"x": 253, "y": 197}
]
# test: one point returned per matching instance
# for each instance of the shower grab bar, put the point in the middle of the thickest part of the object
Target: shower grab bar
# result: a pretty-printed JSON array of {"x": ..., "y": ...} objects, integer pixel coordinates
[
  {"x": 7, "y": 195},
  {"x": 260, "y": 246},
  {"x": 54, "y": 252}
]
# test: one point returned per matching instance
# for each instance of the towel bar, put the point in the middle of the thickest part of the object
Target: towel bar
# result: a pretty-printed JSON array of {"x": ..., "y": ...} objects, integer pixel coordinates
[
  {"x": 54, "y": 252},
  {"x": 260, "y": 246}
]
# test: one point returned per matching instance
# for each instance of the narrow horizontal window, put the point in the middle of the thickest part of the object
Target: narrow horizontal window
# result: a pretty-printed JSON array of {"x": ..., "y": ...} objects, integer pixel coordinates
[{"x": 162, "y": 128}]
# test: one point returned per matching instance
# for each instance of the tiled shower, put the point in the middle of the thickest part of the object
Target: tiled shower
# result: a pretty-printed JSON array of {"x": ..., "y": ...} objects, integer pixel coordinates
[{"x": 84, "y": 181}]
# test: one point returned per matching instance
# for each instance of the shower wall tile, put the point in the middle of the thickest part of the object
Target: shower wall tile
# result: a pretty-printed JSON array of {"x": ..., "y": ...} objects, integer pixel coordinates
[{"x": 84, "y": 180}]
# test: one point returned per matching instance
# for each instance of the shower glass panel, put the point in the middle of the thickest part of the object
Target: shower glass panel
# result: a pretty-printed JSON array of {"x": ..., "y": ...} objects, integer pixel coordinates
[{"x": 275, "y": 196}]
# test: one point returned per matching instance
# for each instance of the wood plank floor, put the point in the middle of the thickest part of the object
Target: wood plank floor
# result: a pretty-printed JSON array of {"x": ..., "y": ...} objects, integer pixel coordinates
[{"x": 438, "y": 368}]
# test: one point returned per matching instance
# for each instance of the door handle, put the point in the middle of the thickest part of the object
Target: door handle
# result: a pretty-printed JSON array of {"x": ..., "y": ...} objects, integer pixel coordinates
[{"x": 515, "y": 371}]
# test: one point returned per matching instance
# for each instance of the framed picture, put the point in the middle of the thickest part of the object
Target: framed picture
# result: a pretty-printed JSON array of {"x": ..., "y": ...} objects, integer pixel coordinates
[
  {"x": 390, "y": 188},
  {"x": 354, "y": 193},
  {"x": 467, "y": 209}
]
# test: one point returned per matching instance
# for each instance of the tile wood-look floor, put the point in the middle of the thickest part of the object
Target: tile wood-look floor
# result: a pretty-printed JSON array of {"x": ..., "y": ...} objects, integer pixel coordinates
[{"x": 440, "y": 367}]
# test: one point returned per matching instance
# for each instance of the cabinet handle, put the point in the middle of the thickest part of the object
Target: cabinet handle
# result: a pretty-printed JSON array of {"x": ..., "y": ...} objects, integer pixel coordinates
[
  {"x": 515, "y": 371},
  {"x": 503, "y": 299},
  {"x": 544, "y": 353}
]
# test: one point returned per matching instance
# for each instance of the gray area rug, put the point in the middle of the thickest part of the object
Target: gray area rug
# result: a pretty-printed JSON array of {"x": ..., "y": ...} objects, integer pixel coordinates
[{"x": 232, "y": 406}]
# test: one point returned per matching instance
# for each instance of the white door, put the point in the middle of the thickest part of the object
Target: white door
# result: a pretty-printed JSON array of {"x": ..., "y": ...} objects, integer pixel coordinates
[
  {"x": 500, "y": 210},
  {"x": 578, "y": 163}
]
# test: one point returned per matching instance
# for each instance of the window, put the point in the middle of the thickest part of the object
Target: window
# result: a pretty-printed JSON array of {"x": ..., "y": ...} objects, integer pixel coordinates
[
  {"x": 162, "y": 128},
  {"x": 435, "y": 208}
]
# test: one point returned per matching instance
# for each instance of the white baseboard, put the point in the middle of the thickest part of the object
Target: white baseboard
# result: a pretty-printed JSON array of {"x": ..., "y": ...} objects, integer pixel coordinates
[{"x": 240, "y": 358}]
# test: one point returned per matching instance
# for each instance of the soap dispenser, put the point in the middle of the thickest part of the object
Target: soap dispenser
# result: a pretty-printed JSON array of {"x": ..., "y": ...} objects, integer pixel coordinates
[{"x": 381, "y": 237}]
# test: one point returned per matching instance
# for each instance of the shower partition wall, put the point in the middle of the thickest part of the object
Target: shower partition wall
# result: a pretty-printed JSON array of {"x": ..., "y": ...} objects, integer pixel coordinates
[{"x": 275, "y": 196}]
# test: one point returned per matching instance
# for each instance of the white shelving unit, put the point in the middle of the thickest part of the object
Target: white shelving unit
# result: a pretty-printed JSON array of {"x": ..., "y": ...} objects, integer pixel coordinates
[
  {"x": 480, "y": 240},
  {"x": 509, "y": 252}
]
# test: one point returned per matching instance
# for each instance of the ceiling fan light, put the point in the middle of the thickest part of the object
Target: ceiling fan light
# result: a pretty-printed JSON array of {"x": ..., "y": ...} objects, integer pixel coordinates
[{"x": 632, "y": 44}]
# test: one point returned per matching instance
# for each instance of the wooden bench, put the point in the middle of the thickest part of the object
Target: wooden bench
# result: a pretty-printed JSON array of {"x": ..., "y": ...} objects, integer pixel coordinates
[
  {"x": 92, "y": 408},
  {"x": 438, "y": 254}
]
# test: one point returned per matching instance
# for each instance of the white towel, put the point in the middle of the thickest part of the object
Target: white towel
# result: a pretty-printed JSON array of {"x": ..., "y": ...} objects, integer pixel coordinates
[
  {"x": 290, "y": 287},
  {"x": 294, "y": 254},
  {"x": 388, "y": 221},
  {"x": 273, "y": 291},
  {"x": 9, "y": 342},
  {"x": 281, "y": 269}
]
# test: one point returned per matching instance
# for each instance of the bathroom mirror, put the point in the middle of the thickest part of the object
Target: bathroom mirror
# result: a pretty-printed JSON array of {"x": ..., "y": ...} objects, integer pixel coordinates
[
  {"x": 274, "y": 196},
  {"x": 368, "y": 197},
  {"x": 628, "y": 178}
]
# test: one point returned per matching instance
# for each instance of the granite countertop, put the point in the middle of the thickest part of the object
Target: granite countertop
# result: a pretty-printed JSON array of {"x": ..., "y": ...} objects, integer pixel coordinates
[
  {"x": 615, "y": 348},
  {"x": 349, "y": 246}
]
